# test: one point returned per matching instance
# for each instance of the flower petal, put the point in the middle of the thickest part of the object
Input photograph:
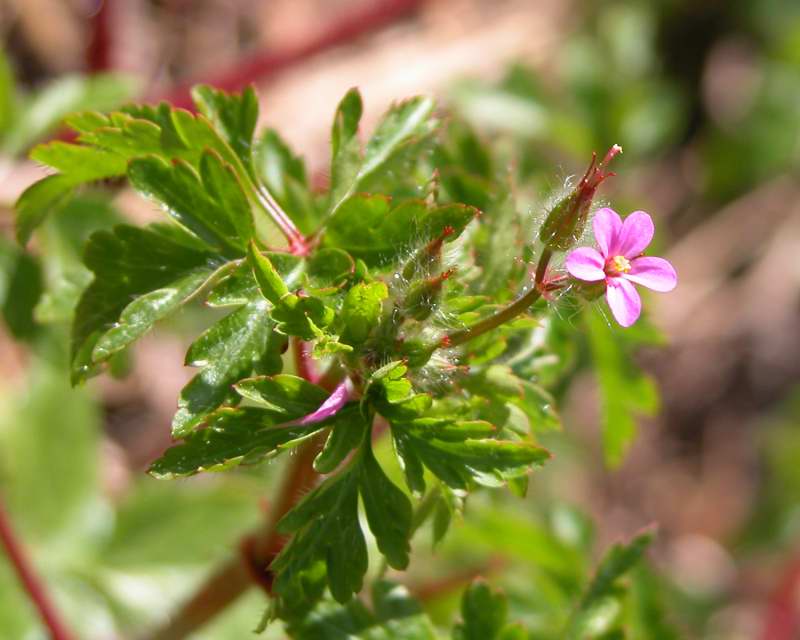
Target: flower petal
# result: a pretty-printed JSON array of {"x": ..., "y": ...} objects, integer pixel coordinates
[
  {"x": 654, "y": 273},
  {"x": 330, "y": 407},
  {"x": 624, "y": 301},
  {"x": 637, "y": 232},
  {"x": 607, "y": 226},
  {"x": 586, "y": 263}
]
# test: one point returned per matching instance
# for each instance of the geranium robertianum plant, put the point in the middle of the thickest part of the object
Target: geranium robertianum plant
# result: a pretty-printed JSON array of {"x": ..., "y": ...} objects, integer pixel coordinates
[{"x": 418, "y": 302}]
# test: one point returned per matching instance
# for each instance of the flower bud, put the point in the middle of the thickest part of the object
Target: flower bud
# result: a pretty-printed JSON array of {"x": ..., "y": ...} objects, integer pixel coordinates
[
  {"x": 567, "y": 218},
  {"x": 423, "y": 295},
  {"x": 428, "y": 257}
]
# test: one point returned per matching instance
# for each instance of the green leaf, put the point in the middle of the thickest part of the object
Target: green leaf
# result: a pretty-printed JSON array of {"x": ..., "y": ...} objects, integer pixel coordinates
[
  {"x": 284, "y": 174},
  {"x": 600, "y": 605},
  {"x": 38, "y": 201},
  {"x": 483, "y": 611},
  {"x": 211, "y": 203},
  {"x": 395, "y": 616},
  {"x": 44, "y": 110},
  {"x": 346, "y": 434},
  {"x": 460, "y": 462},
  {"x": 361, "y": 311},
  {"x": 328, "y": 270},
  {"x": 403, "y": 121},
  {"x": 324, "y": 523},
  {"x": 140, "y": 315},
  {"x": 232, "y": 437},
  {"x": 240, "y": 286},
  {"x": 129, "y": 263},
  {"x": 388, "y": 511},
  {"x": 370, "y": 227},
  {"x": 345, "y": 147},
  {"x": 285, "y": 395},
  {"x": 270, "y": 283},
  {"x": 79, "y": 164},
  {"x": 350, "y": 172},
  {"x": 303, "y": 317},
  {"x": 233, "y": 115},
  {"x": 398, "y": 614},
  {"x": 228, "y": 352},
  {"x": 625, "y": 391},
  {"x": 20, "y": 289}
]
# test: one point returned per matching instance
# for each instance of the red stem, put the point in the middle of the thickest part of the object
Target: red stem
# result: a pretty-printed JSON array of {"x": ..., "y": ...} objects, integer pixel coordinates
[
  {"x": 30, "y": 582},
  {"x": 250, "y": 567},
  {"x": 268, "y": 63},
  {"x": 98, "y": 53}
]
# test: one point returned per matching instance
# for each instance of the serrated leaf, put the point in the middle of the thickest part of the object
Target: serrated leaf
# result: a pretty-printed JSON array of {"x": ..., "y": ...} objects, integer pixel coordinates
[
  {"x": 361, "y": 311},
  {"x": 324, "y": 523},
  {"x": 232, "y": 437},
  {"x": 349, "y": 172},
  {"x": 44, "y": 110},
  {"x": 395, "y": 616},
  {"x": 345, "y": 147},
  {"x": 304, "y": 317},
  {"x": 79, "y": 164},
  {"x": 286, "y": 396},
  {"x": 388, "y": 511},
  {"x": 600, "y": 605},
  {"x": 139, "y": 316},
  {"x": 234, "y": 115},
  {"x": 211, "y": 204},
  {"x": 230, "y": 349},
  {"x": 129, "y": 263},
  {"x": 345, "y": 435},
  {"x": 401, "y": 122},
  {"x": 458, "y": 463}
]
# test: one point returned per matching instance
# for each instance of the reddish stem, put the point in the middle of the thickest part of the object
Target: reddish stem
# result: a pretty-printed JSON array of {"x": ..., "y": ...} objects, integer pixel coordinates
[
  {"x": 98, "y": 53},
  {"x": 303, "y": 363},
  {"x": 251, "y": 566},
  {"x": 268, "y": 63},
  {"x": 30, "y": 582}
]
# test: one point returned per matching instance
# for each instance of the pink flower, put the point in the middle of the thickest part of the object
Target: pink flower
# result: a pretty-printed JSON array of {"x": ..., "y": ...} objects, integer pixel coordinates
[{"x": 618, "y": 261}]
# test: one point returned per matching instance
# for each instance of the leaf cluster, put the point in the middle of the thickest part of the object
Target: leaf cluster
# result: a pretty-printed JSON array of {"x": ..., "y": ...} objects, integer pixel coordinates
[{"x": 416, "y": 235}]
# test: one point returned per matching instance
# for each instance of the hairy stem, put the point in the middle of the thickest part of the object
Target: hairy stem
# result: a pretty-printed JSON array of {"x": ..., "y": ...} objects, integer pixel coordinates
[
  {"x": 509, "y": 312},
  {"x": 30, "y": 582}
]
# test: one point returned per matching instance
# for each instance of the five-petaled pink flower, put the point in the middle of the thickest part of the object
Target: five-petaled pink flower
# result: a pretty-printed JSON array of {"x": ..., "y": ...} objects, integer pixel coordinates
[{"x": 618, "y": 261}]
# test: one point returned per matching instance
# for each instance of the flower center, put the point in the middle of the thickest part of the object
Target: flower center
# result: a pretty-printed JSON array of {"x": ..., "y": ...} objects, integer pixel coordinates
[{"x": 618, "y": 264}]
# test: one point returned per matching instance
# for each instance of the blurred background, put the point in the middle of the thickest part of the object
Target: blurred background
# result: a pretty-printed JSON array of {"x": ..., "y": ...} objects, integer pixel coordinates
[{"x": 703, "y": 96}]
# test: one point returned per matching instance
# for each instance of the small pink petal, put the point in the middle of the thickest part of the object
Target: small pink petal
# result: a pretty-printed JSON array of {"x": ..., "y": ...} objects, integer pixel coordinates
[
  {"x": 586, "y": 263},
  {"x": 330, "y": 407},
  {"x": 637, "y": 232},
  {"x": 624, "y": 301},
  {"x": 607, "y": 226},
  {"x": 654, "y": 273}
]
